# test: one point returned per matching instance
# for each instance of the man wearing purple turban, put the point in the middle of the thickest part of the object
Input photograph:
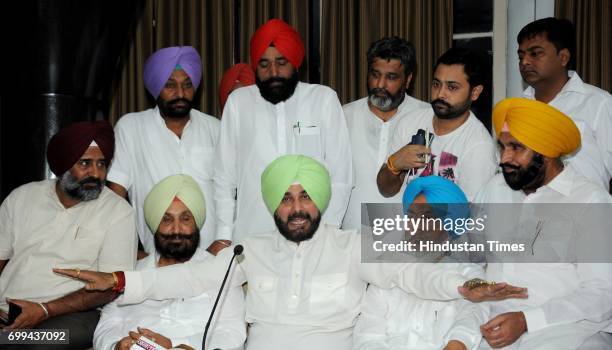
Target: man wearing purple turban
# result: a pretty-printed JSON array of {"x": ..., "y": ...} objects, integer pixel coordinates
[
  {"x": 172, "y": 138},
  {"x": 73, "y": 219}
]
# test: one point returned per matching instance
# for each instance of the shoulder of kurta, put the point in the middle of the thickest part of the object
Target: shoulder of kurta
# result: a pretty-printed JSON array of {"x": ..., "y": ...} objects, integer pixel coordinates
[
  {"x": 355, "y": 106},
  {"x": 204, "y": 118},
  {"x": 115, "y": 205},
  {"x": 343, "y": 239},
  {"x": 133, "y": 120}
]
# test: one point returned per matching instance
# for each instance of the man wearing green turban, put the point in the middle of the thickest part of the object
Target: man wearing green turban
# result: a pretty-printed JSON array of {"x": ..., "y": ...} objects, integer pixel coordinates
[{"x": 305, "y": 281}]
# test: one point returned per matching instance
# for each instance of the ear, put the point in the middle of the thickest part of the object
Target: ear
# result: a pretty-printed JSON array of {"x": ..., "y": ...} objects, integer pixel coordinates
[
  {"x": 408, "y": 80},
  {"x": 476, "y": 91},
  {"x": 565, "y": 57}
]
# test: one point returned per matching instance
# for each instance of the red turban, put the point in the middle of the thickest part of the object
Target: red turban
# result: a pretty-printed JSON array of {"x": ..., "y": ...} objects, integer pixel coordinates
[
  {"x": 284, "y": 38},
  {"x": 68, "y": 145},
  {"x": 241, "y": 73}
]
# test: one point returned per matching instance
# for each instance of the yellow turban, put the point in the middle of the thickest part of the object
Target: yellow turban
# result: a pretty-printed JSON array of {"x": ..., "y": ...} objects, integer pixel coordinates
[
  {"x": 161, "y": 196},
  {"x": 538, "y": 126},
  {"x": 287, "y": 170}
]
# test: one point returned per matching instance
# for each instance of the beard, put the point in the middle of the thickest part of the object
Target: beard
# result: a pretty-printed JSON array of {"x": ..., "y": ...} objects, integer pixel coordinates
[
  {"x": 530, "y": 177},
  {"x": 387, "y": 102},
  {"x": 298, "y": 235},
  {"x": 173, "y": 110},
  {"x": 84, "y": 190},
  {"x": 445, "y": 110},
  {"x": 281, "y": 91},
  {"x": 176, "y": 245}
]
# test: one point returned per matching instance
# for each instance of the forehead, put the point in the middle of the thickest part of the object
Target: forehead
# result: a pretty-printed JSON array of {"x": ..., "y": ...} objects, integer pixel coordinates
[
  {"x": 93, "y": 153},
  {"x": 295, "y": 189},
  {"x": 271, "y": 53},
  {"x": 178, "y": 75},
  {"x": 383, "y": 65},
  {"x": 453, "y": 72},
  {"x": 536, "y": 40},
  {"x": 420, "y": 199},
  {"x": 177, "y": 207}
]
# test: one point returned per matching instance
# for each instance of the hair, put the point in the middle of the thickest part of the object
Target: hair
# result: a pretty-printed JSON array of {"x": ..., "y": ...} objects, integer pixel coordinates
[
  {"x": 560, "y": 32},
  {"x": 393, "y": 48},
  {"x": 474, "y": 62}
]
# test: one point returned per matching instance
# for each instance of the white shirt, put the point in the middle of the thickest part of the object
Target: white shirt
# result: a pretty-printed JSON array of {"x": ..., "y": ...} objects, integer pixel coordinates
[
  {"x": 591, "y": 109},
  {"x": 466, "y": 156},
  {"x": 392, "y": 319},
  {"x": 37, "y": 233},
  {"x": 301, "y": 297},
  {"x": 182, "y": 320},
  {"x": 146, "y": 152},
  {"x": 568, "y": 302},
  {"x": 254, "y": 132},
  {"x": 370, "y": 141}
]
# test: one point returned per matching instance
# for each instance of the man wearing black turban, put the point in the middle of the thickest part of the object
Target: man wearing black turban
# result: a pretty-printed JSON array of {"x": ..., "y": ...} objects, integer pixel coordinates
[{"x": 71, "y": 220}]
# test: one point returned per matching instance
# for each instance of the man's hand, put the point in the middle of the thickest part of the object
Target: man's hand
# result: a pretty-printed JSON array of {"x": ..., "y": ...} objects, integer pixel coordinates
[
  {"x": 504, "y": 329},
  {"x": 31, "y": 314},
  {"x": 455, "y": 345},
  {"x": 100, "y": 281},
  {"x": 125, "y": 343},
  {"x": 410, "y": 157},
  {"x": 218, "y": 245},
  {"x": 155, "y": 337},
  {"x": 492, "y": 292}
]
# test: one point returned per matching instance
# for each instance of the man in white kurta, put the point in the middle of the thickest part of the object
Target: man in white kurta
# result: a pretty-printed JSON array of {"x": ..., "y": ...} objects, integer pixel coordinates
[
  {"x": 278, "y": 116},
  {"x": 570, "y": 299},
  {"x": 179, "y": 320},
  {"x": 305, "y": 280},
  {"x": 545, "y": 63},
  {"x": 461, "y": 148},
  {"x": 372, "y": 120},
  {"x": 171, "y": 138}
]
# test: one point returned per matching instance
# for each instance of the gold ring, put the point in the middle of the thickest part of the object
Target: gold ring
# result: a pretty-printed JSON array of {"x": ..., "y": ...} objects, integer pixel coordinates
[{"x": 78, "y": 271}]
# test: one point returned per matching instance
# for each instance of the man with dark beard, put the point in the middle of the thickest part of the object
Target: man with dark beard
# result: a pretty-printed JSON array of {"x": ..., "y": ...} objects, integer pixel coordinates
[
  {"x": 70, "y": 221},
  {"x": 372, "y": 120},
  {"x": 279, "y": 115},
  {"x": 172, "y": 138},
  {"x": 461, "y": 149},
  {"x": 175, "y": 209},
  {"x": 305, "y": 278},
  {"x": 570, "y": 300}
]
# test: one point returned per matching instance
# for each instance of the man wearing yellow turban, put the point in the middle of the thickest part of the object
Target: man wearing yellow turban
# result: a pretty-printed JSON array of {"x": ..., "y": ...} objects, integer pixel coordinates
[
  {"x": 534, "y": 138},
  {"x": 305, "y": 280},
  {"x": 175, "y": 211}
]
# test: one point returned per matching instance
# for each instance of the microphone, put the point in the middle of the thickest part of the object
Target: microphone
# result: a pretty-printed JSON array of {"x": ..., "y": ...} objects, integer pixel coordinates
[{"x": 237, "y": 251}]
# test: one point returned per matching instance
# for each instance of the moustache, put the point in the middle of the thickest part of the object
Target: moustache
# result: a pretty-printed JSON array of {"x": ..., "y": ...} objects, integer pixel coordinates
[
  {"x": 440, "y": 102},
  {"x": 380, "y": 91},
  {"x": 299, "y": 215},
  {"x": 174, "y": 236},
  {"x": 91, "y": 180},
  {"x": 175, "y": 101},
  {"x": 507, "y": 165}
]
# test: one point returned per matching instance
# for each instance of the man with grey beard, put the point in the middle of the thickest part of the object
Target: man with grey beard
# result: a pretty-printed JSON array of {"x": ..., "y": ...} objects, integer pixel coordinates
[
  {"x": 372, "y": 120},
  {"x": 459, "y": 148},
  {"x": 70, "y": 221}
]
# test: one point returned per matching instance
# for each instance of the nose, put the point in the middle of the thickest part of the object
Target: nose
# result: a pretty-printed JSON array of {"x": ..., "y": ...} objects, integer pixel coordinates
[
  {"x": 506, "y": 155},
  {"x": 176, "y": 226},
  {"x": 273, "y": 69},
  {"x": 180, "y": 93},
  {"x": 381, "y": 82}
]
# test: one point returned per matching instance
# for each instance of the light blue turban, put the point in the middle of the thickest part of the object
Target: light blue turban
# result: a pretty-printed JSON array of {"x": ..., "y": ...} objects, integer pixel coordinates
[
  {"x": 161, "y": 63},
  {"x": 438, "y": 190}
]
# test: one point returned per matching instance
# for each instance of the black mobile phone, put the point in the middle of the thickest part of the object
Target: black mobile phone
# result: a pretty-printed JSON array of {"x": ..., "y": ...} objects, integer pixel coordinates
[{"x": 14, "y": 311}]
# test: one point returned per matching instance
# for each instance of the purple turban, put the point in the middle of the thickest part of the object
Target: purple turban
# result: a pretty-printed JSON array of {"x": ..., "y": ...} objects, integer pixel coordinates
[
  {"x": 161, "y": 63},
  {"x": 70, "y": 143}
]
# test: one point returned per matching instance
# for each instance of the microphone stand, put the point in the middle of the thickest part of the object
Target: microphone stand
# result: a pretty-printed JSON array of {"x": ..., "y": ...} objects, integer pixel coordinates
[{"x": 237, "y": 251}]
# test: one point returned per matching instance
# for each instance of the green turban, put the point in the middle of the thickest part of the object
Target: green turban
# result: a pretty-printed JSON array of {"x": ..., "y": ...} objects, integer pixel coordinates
[
  {"x": 290, "y": 169},
  {"x": 161, "y": 196}
]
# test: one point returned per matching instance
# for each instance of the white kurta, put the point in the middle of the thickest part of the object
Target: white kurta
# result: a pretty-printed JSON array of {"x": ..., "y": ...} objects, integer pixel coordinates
[
  {"x": 146, "y": 152},
  {"x": 181, "y": 320},
  {"x": 301, "y": 297},
  {"x": 591, "y": 109},
  {"x": 466, "y": 156},
  {"x": 392, "y": 319},
  {"x": 38, "y": 233},
  {"x": 254, "y": 132},
  {"x": 370, "y": 145},
  {"x": 568, "y": 302}
]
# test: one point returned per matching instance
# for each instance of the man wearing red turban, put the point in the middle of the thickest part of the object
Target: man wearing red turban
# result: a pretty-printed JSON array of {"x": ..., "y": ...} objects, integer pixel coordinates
[
  {"x": 237, "y": 76},
  {"x": 71, "y": 220},
  {"x": 277, "y": 116},
  {"x": 172, "y": 138}
]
